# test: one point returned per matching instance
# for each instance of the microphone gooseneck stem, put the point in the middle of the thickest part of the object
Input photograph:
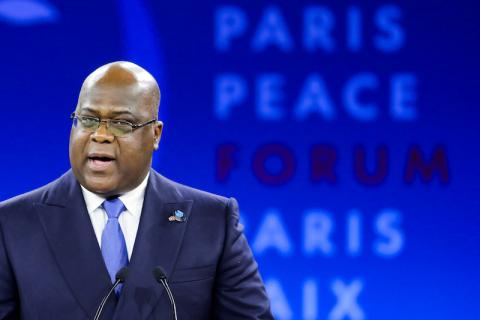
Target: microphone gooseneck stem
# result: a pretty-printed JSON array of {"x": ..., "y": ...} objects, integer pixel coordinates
[
  {"x": 104, "y": 301},
  {"x": 170, "y": 296}
]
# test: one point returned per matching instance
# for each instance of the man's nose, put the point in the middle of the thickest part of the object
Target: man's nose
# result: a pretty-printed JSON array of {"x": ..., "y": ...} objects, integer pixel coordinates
[{"x": 102, "y": 135}]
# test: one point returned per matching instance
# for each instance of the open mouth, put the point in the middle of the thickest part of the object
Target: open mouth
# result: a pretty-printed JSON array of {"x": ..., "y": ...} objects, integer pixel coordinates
[
  {"x": 103, "y": 159},
  {"x": 100, "y": 162}
]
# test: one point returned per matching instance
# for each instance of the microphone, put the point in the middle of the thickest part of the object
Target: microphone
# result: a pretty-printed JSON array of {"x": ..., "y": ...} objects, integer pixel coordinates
[
  {"x": 119, "y": 278},
  {"x": 160, "y": 276}
]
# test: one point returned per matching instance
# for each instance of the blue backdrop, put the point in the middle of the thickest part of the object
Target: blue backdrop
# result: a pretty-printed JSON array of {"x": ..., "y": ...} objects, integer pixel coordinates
[{"x": 346, "y": 130}]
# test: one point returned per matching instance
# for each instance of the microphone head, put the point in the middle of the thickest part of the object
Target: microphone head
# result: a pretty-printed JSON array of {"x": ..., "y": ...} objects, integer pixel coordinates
[
  {"x": 159, "y": 273},
  {"x": 122, "y": 274}
]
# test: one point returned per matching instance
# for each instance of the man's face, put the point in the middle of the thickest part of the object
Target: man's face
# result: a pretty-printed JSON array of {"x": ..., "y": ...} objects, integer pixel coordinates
[{"x": 106, "y": 164}]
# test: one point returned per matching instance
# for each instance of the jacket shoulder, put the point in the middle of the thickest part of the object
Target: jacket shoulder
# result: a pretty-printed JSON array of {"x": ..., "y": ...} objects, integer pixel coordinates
[
  {"x": 191, "y": 193},
  {"x": 25, "y": 201}
]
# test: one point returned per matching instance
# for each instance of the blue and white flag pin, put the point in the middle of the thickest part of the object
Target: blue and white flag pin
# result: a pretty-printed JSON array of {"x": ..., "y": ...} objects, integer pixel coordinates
[{"x": 178, "y": 216}]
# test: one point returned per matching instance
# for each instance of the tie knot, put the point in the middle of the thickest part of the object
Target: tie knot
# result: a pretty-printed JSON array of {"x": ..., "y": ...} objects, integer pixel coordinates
[{"x": 113, "y": 207}]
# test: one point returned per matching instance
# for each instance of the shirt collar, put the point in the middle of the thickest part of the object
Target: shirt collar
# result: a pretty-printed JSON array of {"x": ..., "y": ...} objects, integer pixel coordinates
[{"x": 133, "y": 199}]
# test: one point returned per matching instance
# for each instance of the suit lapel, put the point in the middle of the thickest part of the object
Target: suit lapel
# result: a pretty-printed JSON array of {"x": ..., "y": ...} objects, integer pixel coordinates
[
  {"x": 70, "y": 234},
  {"x": 157, "y": 243}
]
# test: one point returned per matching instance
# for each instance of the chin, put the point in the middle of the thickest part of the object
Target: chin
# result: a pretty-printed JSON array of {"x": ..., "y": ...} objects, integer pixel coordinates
[
  {"x": 101, "y": 186},
  {"x": 102, "y": 190}
]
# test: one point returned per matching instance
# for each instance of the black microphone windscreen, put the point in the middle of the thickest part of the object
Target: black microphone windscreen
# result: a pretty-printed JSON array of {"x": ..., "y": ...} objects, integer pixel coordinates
[
  {"x": 122, "y": 274},
  {"x": 159, "y": 273}
]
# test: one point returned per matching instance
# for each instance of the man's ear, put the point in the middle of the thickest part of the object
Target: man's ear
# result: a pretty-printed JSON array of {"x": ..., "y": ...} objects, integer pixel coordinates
[{"x": 157, "y": 134}]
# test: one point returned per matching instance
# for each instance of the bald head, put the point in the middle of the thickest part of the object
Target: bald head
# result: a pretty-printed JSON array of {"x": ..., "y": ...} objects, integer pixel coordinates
[{"x": 123, "y": 74}]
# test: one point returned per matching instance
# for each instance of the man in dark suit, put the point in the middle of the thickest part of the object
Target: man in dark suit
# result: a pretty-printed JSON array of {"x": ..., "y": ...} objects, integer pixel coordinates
[{"x": 61, "y": 245}]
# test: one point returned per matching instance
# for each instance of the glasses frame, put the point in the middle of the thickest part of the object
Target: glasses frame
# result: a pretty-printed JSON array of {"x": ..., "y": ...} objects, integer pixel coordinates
[{"x": 107, "y": 122}]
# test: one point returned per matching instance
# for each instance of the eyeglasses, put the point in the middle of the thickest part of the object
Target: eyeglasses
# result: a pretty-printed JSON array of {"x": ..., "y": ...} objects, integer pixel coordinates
[{"x": 118, "y": 128}]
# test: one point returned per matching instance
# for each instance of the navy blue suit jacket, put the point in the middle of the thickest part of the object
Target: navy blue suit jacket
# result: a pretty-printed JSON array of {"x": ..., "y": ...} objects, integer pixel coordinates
[{"x": 51, "y": 266}]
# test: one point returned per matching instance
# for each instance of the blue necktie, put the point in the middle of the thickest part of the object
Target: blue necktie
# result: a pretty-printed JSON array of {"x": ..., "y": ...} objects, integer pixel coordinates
[{"x": 114, "y": 249}]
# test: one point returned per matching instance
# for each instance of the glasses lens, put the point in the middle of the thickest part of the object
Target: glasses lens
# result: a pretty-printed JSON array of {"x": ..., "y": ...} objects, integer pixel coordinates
[
  {"x": 88, "y": 123},
  {"x": 119, "y": 128}
]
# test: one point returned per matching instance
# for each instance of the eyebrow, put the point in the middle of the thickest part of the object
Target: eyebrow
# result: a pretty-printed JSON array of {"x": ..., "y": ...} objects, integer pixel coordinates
[{"x": 115, "y": 112}]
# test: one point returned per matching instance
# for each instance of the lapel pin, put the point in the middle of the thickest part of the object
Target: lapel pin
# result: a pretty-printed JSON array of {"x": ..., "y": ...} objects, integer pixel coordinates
[{"x": 178, "y": 216}]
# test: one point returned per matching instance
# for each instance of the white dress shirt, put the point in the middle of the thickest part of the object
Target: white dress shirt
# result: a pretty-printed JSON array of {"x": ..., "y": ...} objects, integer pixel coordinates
[{"x": 128, "y": 219}]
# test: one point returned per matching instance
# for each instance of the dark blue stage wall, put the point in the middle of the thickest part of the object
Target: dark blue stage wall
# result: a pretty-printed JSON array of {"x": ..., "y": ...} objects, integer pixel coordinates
[{"x": 348, "y": 131}]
